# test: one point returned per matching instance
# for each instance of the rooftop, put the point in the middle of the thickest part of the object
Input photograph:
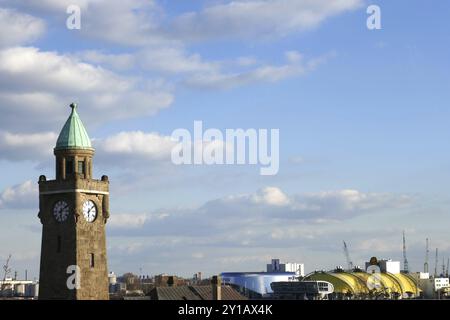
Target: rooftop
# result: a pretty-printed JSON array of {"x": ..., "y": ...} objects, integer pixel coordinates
[
  {"x": 73, "y": 135},
  {"x": 193, "y": 293}
]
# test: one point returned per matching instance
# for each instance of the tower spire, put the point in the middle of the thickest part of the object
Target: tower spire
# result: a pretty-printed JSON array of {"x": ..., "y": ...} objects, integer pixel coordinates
[{"x": 73, "y": 134}]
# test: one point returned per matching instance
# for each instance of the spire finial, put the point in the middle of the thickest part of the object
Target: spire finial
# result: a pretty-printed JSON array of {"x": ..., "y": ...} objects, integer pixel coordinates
[{"x": 73, "y": 105}]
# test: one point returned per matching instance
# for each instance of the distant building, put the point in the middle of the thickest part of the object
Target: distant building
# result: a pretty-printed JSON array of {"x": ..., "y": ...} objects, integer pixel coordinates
[
  {"x": 255, "y": 285},
  {"x": 387, "y": 266},
  {"x": 441, "y": 283},
  {"x": 112, "y": 278},
  {"x": 433, "y": 288},
  {"x": 197, "y": 278},
  {"x": 119, "y": 287},
  {"x": 19, "y": 288},
  {"x": 164, "y": 280},
  {"x": 276, "y": 266},
  {"x": 302, "y": 290}
]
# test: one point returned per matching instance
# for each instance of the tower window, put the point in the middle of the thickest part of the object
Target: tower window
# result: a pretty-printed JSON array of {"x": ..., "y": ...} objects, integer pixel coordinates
[
  {"x": 69, "y": 167},
  {"x": 91, "y": 262},
  {"x": 58, "y": 244},
  {"x": 81, "y": 167}
]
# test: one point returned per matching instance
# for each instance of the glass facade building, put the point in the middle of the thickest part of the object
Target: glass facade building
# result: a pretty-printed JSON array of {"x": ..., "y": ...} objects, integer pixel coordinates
[{"x": 255, "y": 284}]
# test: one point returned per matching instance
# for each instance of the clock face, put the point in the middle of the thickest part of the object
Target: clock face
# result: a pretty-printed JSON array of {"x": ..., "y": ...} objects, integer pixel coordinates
[
  {"x": 89, "y": 211},
  {"x": 61, "y": 211}
]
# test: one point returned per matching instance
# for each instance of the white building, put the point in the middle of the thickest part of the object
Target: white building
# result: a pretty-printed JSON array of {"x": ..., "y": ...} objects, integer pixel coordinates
[
  {"x": 433, "y": 288},
  {"x": 112, "y": 278},
  {"x": 276, "y": 266},
  {"x": 440, "y": 283},
  {"x": 19, "y": 288},
  {"x": 387, "y": 266}
]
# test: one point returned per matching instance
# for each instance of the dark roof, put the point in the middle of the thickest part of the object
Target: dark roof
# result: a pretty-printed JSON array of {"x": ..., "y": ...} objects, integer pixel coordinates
[
  {"x": 175, "y": 293},
  {"x": 228, "y": 293},
  {"x": 193, "y": 293},
  {"x": 262, "y": 273},
  {"x": 137, "y": 298}
]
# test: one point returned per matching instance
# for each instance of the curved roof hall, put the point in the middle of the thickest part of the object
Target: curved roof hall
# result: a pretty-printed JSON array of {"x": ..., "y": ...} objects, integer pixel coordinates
[{"x": 356, "y": 283}]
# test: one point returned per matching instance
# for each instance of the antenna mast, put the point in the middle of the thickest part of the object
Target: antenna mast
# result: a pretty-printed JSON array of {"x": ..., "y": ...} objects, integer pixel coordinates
[
  {"x": 446, "y": 272},
  {"x": 405, "y": 260},
  {"x": 427, "y": 255},
  {"x": 443, "y": 267},
  {"x": 436, "y": 264}
]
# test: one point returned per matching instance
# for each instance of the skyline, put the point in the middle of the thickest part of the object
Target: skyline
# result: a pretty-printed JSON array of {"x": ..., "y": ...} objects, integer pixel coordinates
[{"x": 361, "y": 114}]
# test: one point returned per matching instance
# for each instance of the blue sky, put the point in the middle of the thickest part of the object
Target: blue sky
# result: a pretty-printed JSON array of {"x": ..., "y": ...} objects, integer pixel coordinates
[{"x": 363, "y": 121}]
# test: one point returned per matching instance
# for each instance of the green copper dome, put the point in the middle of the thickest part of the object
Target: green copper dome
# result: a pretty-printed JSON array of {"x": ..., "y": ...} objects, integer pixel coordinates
[{"x": 73, "y": 135}]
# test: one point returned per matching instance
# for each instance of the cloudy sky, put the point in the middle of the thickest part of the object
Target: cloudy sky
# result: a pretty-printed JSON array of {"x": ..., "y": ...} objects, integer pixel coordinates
[{"x": 363, "y": 118}]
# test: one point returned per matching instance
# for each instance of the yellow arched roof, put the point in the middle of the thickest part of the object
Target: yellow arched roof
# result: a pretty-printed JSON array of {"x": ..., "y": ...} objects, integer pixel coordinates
[
  {"x": 409, "y": 284},
  {"x": 356, "y": 283},
  {"x": 343, "y": 282}
]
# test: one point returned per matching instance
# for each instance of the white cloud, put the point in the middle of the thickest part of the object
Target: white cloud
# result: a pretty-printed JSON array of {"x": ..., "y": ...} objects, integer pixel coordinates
[
  {"x": 130, "y": 147},
  {"x": 348, "y": 203},
  {"x": 163, "y": 50},
  {"x": 267, "y": 213},
  {"x": 199, "y": 73},
  {"x": 19, "y": 28},
  {"x": 136, "y": 145},
  {"x": 34, "y": 146},
  {"x": 295, "y": 66},
  {"x": 239, "y": 260},
  {"x": 134, "y": 220},
  {"x": 167, "y": 60},
  {"x": 293, "y": 56},
  {"x": 139, "y": 149},
  {"x": 36, "y": 87},
  {"x": 271, "y": 196},
  {"x": 198, "y": 255},
  {"x": 256, "y": 19},
  {"x": 246, "y": 61},
  {"x": 127, "y": 249},
  {"x": 122, "y": 61},
  {"x": 127, "y": 220},
  {"x": 144, "y": 22},
  {"x": 297, "y": 160},
  {"x": 56, "y": 5},
  {"x": 174, "y": 61},
  {"x": 20, "y": 196},
  {"x": 128, "y": 22},
  {"x": 40, "y": 70},
  {"x": 272, "y": 202},
  {"x": 377, "y": 245}
]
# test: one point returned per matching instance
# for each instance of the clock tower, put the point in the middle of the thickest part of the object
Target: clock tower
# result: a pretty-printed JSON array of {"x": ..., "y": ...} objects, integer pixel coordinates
[{"x": 73, "y": 210}]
